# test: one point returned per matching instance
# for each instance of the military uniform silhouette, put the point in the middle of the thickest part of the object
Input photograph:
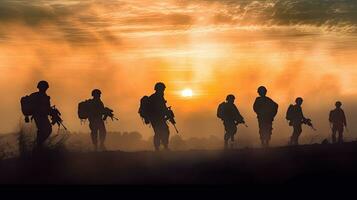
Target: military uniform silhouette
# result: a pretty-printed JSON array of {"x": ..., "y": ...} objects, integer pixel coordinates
[
  {"x": 231, "y": 117},
  {"x": 158, "y": 117},
  {"x": 266, "y": 109},
  {"x": 338, "y": 120},
  {"x": 296, "y": 118},
  {"x": 95, "y": 118},
  {"x": 42, "y": 109}
]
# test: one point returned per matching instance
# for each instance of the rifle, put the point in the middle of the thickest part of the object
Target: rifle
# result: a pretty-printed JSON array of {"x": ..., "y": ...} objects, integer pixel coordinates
[
  {"x": 170, "y": 116},
  {"x": 242, "y": 122},
  {"x": 109, "y": 113},
  {"x": 308, "y": 122},
  {"x": 56, "y": 117}
]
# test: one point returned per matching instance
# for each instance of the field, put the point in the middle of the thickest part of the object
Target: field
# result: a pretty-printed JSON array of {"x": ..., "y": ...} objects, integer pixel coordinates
[{"x": 310, "y": 164}]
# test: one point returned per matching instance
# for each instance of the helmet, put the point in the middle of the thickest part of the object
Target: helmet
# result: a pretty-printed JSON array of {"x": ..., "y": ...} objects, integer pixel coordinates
[
  {"x": 230, "y": 97},
  {"x": 96, "y": 92},
  {"x": 42, "y": 85},
  {"x": 299, "y": 100},
  {"x": 262, "y": 90},
  {"x": 160, "y": 86},
  {"x": 338, "y": 104}
]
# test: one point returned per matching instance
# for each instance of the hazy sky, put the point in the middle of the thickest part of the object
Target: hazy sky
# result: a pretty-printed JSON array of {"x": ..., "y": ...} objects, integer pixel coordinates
[{"x": 296, "y": 48}]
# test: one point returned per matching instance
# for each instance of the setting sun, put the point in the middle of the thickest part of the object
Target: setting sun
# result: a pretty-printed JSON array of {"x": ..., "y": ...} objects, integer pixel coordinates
[{"x": 187, "y": 93}]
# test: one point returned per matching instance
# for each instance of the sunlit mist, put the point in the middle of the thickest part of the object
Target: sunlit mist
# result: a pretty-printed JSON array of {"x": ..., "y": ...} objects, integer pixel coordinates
[{"x": 202, "y": 50}]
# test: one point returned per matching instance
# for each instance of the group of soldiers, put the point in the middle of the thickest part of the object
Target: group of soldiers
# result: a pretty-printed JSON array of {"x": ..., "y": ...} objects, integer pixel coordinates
[
  {"x": 155, "y": 112},
  {"x": 266, "y": 110}
]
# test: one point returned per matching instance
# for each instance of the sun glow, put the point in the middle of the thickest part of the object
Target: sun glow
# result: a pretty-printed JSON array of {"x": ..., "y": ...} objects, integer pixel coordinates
[{"x": 187, "y": 93}]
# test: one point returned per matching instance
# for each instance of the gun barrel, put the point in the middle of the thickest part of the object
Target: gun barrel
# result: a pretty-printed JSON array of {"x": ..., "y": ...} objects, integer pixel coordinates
[{"x": 175, "y": 128}]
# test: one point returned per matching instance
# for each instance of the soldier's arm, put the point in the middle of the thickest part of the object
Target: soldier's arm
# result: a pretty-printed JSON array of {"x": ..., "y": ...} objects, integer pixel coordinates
[
  {"x": 344, "y": 118},
  {"x": 49, "y": 105},
  {"x": 239, "y": 116},
  {"x": 302, "y": 114},
  {"x": 102, "y": 107},
  {"x": 330, "y": 117},
  {"x": 255, "y": 106}
]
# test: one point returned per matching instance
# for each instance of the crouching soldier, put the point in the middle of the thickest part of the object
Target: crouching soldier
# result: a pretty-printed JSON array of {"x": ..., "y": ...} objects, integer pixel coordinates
[{"x": 231, "y": 117}]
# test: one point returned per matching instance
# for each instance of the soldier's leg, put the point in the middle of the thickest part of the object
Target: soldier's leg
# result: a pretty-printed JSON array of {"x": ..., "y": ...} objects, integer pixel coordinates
[
  {"x": 165, "y": 135},
  {"x": 94, "y": 134},
  {"x": 334, "y": 131},
  {"x": 340, "y": 134},
  {"x": 269, "y": 129},
  {"x": 226, "y": 138},
  {"x": 102, "y": 134},
  {"x": 234, "y": 131},
  {"x": 44, "y": 129},
  {"x": 298, "y": 133},
  {"x": 294, "y": 137},
  {"x": 261, "y": 132},
  {"x": 156, "y": 136}
]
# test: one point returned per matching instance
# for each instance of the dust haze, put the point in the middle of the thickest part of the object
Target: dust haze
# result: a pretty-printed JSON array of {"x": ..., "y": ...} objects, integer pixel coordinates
[{"x": 124, "y": 47}]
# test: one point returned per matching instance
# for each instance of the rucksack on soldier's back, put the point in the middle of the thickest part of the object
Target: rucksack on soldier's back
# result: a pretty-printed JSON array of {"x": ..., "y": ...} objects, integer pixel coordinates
[
  {"x": 144, "y": 109},
  {"x": 28, "y": 105},
  {"x": 84, "y": 109},
  {"x": 290, "y": 113},
  {"x": 221, "y": 110}
]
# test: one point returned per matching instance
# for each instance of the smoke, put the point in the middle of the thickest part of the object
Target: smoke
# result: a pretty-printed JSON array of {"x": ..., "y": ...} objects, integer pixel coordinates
[{"x": 295, "y": 48}]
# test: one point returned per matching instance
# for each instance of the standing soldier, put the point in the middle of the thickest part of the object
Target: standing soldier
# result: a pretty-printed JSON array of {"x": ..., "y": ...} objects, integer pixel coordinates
[
  {"x": 95, "y": 118},
  {"x": 231, "y": 117},
  {"x": 94, "y": 110},
  {"x": 266, "y": 109},
  {"x": 338, "y": 121},
  {"x": 296, "y": 118},
  {"x": 154, "y": 111},
  {"x": 38, "y": 106}
]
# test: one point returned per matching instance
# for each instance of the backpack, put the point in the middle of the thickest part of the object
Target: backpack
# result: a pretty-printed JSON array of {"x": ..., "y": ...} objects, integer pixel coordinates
[
  {"x": 221, "y": 110},
  {"x": 144, "y": 109},
  {"x": 290, "y": 113},
  {"x": 84, "y": 109},
  {"x": 28, "y": 105}
]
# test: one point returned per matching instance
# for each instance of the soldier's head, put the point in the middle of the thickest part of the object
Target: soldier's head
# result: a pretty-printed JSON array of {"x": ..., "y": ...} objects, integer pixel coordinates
[
  {"x": 299, "y": 101},
  {"x": 96, "y": 93},
  {"x": 230, "y": 98},
  {"x": 262, "y": 91},
  {"x": 160, "y": 87},
  {"x": 42, "y": 86},
  {"x": 338, "y": 104}
]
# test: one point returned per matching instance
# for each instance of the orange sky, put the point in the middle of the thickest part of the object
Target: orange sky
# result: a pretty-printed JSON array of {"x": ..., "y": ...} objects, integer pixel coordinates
[{"x": 212, "y": 47}]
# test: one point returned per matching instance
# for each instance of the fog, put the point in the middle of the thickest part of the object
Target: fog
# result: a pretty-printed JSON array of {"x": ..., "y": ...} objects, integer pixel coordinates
[{"x": 124, "y": 47}]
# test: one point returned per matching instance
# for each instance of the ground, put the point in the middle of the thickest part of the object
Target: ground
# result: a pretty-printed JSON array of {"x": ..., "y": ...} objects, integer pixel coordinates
[{"x": 311, "y": 164}]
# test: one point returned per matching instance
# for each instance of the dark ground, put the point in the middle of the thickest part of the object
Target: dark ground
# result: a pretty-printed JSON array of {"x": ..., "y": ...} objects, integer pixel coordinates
[{"x": 310, "y": 164}]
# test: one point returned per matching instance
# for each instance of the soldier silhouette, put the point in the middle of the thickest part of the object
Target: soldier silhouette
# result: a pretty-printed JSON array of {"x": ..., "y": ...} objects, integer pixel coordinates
[
  {"x": 96, "y": 121},
  {"x": 266, "y": 109},
  {"x": 42, "y": 112},
  {"x": 296, "y": 118},
  {"x": 231, "y": 117},
  {"x": 338, "y": 121},
  {"x": 38, "y": 106},
  {"x": 157, "y": 115}
]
